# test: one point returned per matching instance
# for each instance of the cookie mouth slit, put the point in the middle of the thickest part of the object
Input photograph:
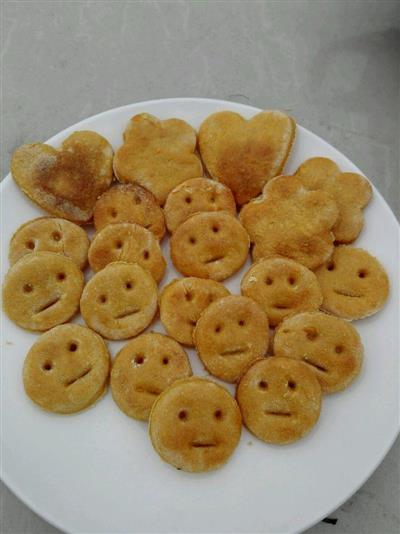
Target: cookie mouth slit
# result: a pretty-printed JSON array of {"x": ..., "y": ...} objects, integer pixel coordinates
[
  {"x": 127, "y": 313},
  {"x": 347, "y": 293},
  {"x": 281, "y": 307},
  {"x": 233, "y": 352},
  {"x": 307, "y": 360},
  {"x": 81, "y": 375},
  {"x": 48, "y": 305},
  {"x": 213, "y": 259},
  {"x": 150, "y": 390},
  {"x": 203, "y": 444},
  {"x": 279, "y": 414}
]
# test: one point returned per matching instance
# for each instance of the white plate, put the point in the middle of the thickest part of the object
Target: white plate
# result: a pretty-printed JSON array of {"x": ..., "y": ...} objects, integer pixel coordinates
[{"x": 97, "y": 472}]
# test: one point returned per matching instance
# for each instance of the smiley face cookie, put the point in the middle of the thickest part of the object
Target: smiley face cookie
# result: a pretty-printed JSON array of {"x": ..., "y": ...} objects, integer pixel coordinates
[
  {"x": 230, "y": 334},
  {"x": 181, "y": 303},
  {"x": 281, "y": 287},
  {"x": 330, "y": 346},
  {"x": 209, "y": 245},
  {"x": 52, "y": 235},
  {"x": 66, "y": 182},
  {"x": 195, "y": 425},
  {"x": 245, "y": 154},
  {"x": 132, "y": 204},
  {"x": 351, "y": 192},
  {"x": 196, "y": 195},
  {"x": 354, "y": 284},
  {"x": 120, "y": 301},
  {"x": 290, "y": 221},
  {"x": 66, "y": 369},
  {"x": 130, "y": 243},
  {"x": 157, "y": 155},
  {"x": 280, "y": 399},
  {"x": 42, "y": 290},
  {"x": 143, "y": 369}
]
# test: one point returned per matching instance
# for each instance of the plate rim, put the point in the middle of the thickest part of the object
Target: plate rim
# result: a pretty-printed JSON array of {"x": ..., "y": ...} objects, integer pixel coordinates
[{"x": 7, "y": 479}]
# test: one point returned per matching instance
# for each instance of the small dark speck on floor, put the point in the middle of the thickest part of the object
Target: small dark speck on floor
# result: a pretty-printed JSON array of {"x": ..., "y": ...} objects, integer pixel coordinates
[
  {"x": 249, "y": 443},
  {"x": 330, "y": 520},
  {"x": 9, "y": 343}
]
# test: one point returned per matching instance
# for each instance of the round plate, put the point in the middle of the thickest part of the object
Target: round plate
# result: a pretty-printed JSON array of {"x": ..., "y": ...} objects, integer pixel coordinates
[{"x": 97, "y": 471}]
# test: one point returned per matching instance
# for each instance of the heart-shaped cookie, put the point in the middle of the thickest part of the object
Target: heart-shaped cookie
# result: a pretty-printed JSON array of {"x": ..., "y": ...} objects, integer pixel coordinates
[
  {"x": 245, "y": 154},
  {"x": 65, "y": 182}
]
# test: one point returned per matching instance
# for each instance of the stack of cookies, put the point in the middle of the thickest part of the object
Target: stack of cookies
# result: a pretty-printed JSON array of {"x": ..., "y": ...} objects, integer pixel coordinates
[{"x": 284, "y": 342}]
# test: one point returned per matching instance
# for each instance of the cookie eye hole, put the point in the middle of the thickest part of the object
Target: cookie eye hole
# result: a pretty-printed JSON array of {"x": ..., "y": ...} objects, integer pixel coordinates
[
  {"x": 56, "y": 236},
  {"x": 241, "y": 322},
  {"x": 192, "y": 240},
  {"x": 47, "y": 366},
  {"x": 139, "y": 359},
  {"x": 215, "y": 229},
  {"x": 291, "y": 280},
  {"x": 146, "y": 254},
  {"x": 118, "y": 244},
  {"x": 330, "y": 266},
  {"x": 188, "y": 296},
  {"x": 138, "y": 200},
  {"x": 61, "y": 276},
  {"x": 72, "y": 347},
  {"x": 292, "y": 385},
  {"x": 212, "y": 199},
  {"x": 362, "y": 273},
  {"x": 338, "y": 349},
  {"x": 311, "y": 333},
  {"x": 128, "y": 285},
  {"x": 218, "y": 329},
  {"x": 263, "y": 385},
  {"x": 113, "y": 213},
  {"x": 268, "y": 281},
  {"x": 183, "y": 415},
  {"x": 218, "y": 415},
  {"x": 285, "y": 331},
  {"x": 188, "y": 200},
  {"x": 30, "y": 244},
  {"x": 165, "y": 361},
  {"x": 27, "y": 288},
  {"x": 102, "y": 299}
]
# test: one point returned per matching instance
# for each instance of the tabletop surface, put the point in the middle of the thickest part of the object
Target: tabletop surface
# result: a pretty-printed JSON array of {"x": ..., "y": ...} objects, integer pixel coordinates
[{"x": 333, "y": 65}]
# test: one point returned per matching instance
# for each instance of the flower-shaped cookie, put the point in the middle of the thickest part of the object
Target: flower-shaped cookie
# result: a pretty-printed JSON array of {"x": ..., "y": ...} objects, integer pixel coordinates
[
  {"x": 351, "y": 192},
  {"x": 245, "y": 154},
  {"x": 158, "y": 155},
  {"x": 288, "y": 220},
  {"x": 65, "y": 182}
]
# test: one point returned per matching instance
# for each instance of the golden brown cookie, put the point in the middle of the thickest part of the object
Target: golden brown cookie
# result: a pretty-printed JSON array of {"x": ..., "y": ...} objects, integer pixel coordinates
[
  {"x": 351, "y": 192},
  {"x": 143, "y": 369},
  {"x": 66, "y": 182},
  {"x": 130, "y": 243},
  {"x": 209, "y": 245},
  {"x": 196, "y": 195},
  {"x": 42, "y": 290},
  {"x": 281, "y": 287},
  {"x": 181, "y": 303},
  {"x": 245, "y": 154},
  {"x": 290, "y": 221},
  {"x": 120, "y": 301},
  {"x": 132, "y": 204},
  {"x": 330, "y": 346},
  {"x": 280, "y": 399},
  {"x": 66, "y": 369},
  {"x": 158, "y": 155},
  {"x": 354, "y": 284},
  {"x": 195, "y": 425},
  {"x": 52, "y": 235},
  {"x": 230, "y": 334}
]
